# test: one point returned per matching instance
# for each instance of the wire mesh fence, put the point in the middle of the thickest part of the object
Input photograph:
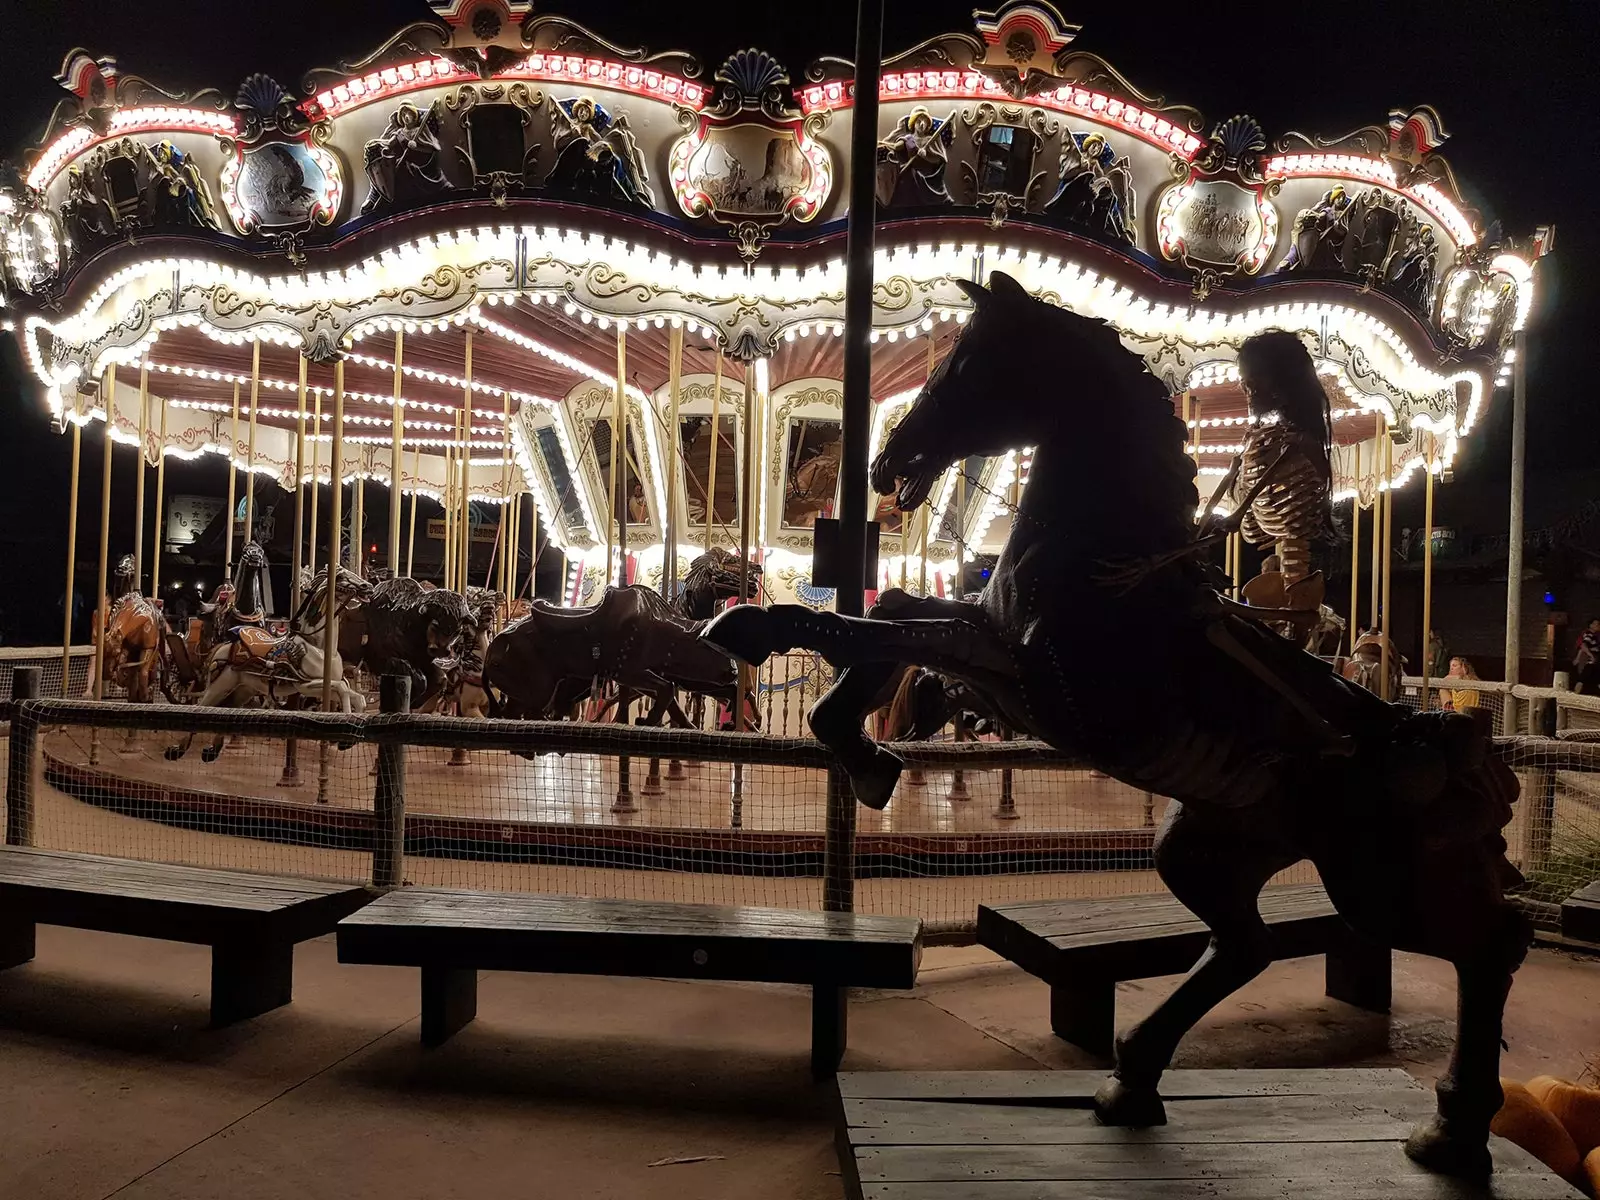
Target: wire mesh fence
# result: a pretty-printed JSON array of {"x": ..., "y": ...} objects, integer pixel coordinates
[
  {"x": 80, "y": 664},
  {"x": 616, "y": 811}
]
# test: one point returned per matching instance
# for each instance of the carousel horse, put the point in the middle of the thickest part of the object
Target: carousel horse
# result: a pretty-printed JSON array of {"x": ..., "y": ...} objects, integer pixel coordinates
[
  {"x": 134, "y": 632},
  {"x": 1401, "y": 813},
  {"x": 404, "y": 627},
  {"x": 463, "y": 692},
  {"x": 543, "y": 665},
  {"x": 235, "y": 604},
  {"x": 254, "y": 666}
]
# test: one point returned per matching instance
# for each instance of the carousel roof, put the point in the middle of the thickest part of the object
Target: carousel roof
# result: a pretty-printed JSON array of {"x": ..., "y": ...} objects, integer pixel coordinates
[{"x": 496, "y": 198}]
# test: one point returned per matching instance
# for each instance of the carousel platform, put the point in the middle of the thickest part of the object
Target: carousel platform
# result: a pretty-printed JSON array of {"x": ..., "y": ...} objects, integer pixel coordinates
[{"x": 1230, "y": 1135}]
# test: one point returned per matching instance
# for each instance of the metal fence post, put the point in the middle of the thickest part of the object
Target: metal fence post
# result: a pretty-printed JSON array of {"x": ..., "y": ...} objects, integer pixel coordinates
[
  {"x": 389, "y": 797},
  {"x": 839, "y": 845},
  {"x": 19, "y": 765}
]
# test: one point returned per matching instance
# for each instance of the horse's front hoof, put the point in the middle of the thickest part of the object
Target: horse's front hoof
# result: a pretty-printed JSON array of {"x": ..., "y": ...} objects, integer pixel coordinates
[
  {"x": 1433, "y": 1146},
  {"x": 173, "y": 753},
  {"x": 1121, "y": 1104},
  {"x": 209, "y": 753},
  {"x": 344, "y": 745},
  {"x": 744, "y": 631},
  {"x": 875, "y": 785}
]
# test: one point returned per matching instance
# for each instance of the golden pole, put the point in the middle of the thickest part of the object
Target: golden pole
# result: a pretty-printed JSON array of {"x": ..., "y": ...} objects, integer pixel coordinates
[
  {"x": 1238, "y": 555},
  {"x": 396, "y": 460},
  {"x": 250, "y": 453},
  {"x": 161, "y": 487},
  {"x": 513, "y": 541},
  {"x": 316, "y": 464},
  {"x": 1355, "y": 554},
  {"x": 673, "y": 467},
  {"x": 411, "y": 537},
  {"x": 1377, "y": 522},
  {"x": 1388, "y": 562},
  {"x": 925, "y": 509},
  {"x": 233, "y": 447},
  {"x": 465, "y": 532},
  {"x": 748, "y": 482},
  {"x": 503, "y": 533},
  {"x": 447, "y": 496},
  {"x": 72, "y": 554},
  {"x": 103, "y": 606},
  {"x": 138, "y": 480},
  {"x": 1427, "y": 569},
  {"x": 357, "y": 551},
  {"x": 618, "y": 449},
  {"x": 330, "y": 637},
  {"x": 716, "y": 440},
  {"x": 299, "y": 488}
]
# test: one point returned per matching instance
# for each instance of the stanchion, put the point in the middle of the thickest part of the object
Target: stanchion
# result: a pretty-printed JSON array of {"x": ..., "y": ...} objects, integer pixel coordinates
[
  {"x": 397, "y": 430},
  {"x": 330, "y": 637},
  {"x": 624, "y": 804},
  {"x": 291, "y": 747},
  {"x": 389, "y": 797},
  {"x": 233, "y": 450},
  {"x": 1007, "y": 811},
  {"x": 102, "y": 600},
  {"x": 250, "y": 452},
  {"x": 72, "y": 560},
  {"x": 24, "y": 744}
]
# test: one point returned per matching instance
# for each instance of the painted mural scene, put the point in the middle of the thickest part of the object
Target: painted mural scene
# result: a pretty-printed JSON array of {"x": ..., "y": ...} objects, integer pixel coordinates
[{"x": 865, "y": 608}]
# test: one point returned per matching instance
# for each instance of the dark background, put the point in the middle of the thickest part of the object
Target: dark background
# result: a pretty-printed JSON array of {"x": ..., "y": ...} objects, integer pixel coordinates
[{"x": 1511, "y": 79}]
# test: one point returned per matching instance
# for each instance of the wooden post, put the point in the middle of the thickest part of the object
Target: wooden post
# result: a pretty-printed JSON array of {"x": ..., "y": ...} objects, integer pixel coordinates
[
  {"x": 316, "y": 486},
  {"x": 330, "y": 635},
  {"x": 463, "y": 567},
  {"x": 291, "y": 747},
  {"x": 233, "y": 447},
  {"x": 72, "y": 556},
  {"x": 19, "y": 762},
  {"x": 716, "y": 440},
  {"x": 138, "y": 479},
  {"x": 411, "y": 537},
  {"x": 1355, "y": 557},
  {"x": 397, "y": 424},
  {"x": 250, "y": 452},
  {"x": 389, "y": 797},
  {"x": 1388, "y": 562},
  {"x": 1427, "y": 568},
  {"x": 159, "y": 540}
]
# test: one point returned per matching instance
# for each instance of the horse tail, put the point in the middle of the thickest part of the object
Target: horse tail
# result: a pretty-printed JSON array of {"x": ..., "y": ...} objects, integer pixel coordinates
[{"x": 495, "y": 707}]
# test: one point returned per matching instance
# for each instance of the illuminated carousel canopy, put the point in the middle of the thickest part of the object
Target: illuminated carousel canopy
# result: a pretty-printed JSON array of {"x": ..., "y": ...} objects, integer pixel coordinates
[{"x": 497, "y": 197}]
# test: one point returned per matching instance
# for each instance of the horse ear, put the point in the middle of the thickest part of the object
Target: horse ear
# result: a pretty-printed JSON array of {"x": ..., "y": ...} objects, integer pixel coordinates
[
  {"x": 976, "y": 292},
  {"x": 1007, "y": 288}
]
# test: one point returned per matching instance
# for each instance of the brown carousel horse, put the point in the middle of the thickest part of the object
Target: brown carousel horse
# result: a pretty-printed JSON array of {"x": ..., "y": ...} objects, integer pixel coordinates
[
  {"x": 236, "y": 604},
  {"x": 1269, "y": 756},
  {"x": 134, "y": 631},
  {"x": 545, "y": 664}
]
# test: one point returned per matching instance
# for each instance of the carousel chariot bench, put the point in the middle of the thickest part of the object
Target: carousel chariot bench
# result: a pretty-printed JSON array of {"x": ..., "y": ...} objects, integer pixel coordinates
[
  {"x": 1084, "y": 948},
  {"x": 452, "y": 935},
  {"x": 251, "y": 922}
]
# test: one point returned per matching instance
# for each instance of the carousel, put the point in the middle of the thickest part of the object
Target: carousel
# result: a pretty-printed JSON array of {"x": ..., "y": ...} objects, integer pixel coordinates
[{"x": 566, "y": 297}]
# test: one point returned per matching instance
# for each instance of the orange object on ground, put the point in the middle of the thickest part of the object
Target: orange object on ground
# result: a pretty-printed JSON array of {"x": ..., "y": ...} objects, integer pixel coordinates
[
  {"x": 1575, "y": 1106},
  {"x": 1523, "y": 1120}
]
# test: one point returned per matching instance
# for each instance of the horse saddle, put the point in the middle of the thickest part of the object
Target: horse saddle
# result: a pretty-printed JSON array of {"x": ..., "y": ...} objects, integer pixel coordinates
[
  {"x": 254, "y": 649},
  {"x": 1268, "y": 590}
]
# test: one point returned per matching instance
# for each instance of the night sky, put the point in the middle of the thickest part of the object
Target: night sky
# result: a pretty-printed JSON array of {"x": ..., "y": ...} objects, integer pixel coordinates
[{"x": 1508, "y": 78}]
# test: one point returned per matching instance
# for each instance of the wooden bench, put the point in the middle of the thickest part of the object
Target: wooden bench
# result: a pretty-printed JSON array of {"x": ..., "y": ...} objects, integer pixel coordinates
[
  {"x": 251, "y": 922},
  {"x": 1084, "y": 948},
  {"x": 1580, "y": 914},
  {"x": 452, "y": 935}
]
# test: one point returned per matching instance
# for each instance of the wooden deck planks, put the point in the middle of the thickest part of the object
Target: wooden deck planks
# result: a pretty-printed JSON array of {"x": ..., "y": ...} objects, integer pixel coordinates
[{"x": 1245, "y": 1135}]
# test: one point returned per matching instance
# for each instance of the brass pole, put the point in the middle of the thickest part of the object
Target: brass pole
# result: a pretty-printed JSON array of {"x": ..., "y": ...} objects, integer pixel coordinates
[
  {"x": 316, "y": 466},
  {"x": 330, "y": 637},
  {"x": 1238, "y": 555},
  {"x": 615, "y": 458},
  {"x": 716, "y": 440},
  {"x": 356, "y": 551},
  {"x": 250, "y": 453},
  {"x": 1388, "y": 561},
  {"x": 513, "y": 541},
  {"x": 411, "y": 537},
  {"x": 103, "y": 604},
  {"x": 299, "y": 488},
  {"x": 672, "y": 469},
  {"x": 72, "y": 554},
  {"x": 465, "y": 532},
  {"x": 1377, "y": 523},
  {"x": 396, "y": 459},
  {"x": 233, "y": 448},
  {"x": 1355, "y": 554},
  {"x": 503, "y": 529},
  {"x": 447, "y": 497},
  {"x": 1427, "y": 569},
  {"x": 161, "y": 486},
  {"x": 925, "y": 509},
  {"x": 746, "y": 475},
  {"x": 138, "y": 479}
]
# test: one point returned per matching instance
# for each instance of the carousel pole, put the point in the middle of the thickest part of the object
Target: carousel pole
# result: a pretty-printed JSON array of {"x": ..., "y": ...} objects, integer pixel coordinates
[
  {"x": 958, "y": 778},
  {"x": 1355, "y": 554},
  {"x": 624, "y": 802},
  {"x": 138, "y": 479},
  {"x": 291, "y": 748},
  {"x": 161, "y": 488},
  {"x": 397, "y": 420},
  {"x": 503, "y": 533},
  {"x": 748, "y": 480},
  {"x": 316, "y": 464},
  {"x": 1519, "y": 453},
  {"x": 925, "y": 509},
  {"x": 233, "y": 447},
  {"x": 411, "y": 537},
  {"x": 1377, "y": 522},
  {"x": 250, "y": 453},
  {"x": 465, "y": 530},
  {"x": 330, "y": 636},
  {"x": 611, "y": 466},
  {"x": 1238, "y": 553},
  {"x": 72, "y": 554},
  {"x": 1388, "y": 563},
  {"x": 674, "y": 464},
  {"x": 355, "y": 551},
  {"x": 1427, "y": 567},
  {"x": 102, "y": 605},
  {"x": 716, "y": 440}
]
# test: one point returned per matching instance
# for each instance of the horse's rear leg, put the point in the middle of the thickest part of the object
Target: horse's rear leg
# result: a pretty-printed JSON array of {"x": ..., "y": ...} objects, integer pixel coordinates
[
  {"x": 1217, "y": 871},
  {"x": 836, "y": 719}
]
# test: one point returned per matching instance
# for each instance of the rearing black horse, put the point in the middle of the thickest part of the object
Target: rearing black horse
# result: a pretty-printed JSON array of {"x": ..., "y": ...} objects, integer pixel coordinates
[{"x": 1269, "y": 757}]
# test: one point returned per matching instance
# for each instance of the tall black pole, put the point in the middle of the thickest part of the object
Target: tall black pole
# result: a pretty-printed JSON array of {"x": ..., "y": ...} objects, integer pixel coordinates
[{"x": 858, "y": 313}]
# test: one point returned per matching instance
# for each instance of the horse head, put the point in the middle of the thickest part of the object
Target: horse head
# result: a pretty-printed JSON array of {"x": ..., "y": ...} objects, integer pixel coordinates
[
  {"x": 714, "y": 578},
  {"x": 125, "y": 575},
  {"x": 252, "y": 557},
  {"x": 448, "y": 617}
]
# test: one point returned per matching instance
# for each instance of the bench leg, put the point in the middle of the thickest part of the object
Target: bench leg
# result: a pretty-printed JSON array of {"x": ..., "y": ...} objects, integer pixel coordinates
[
  {"x": 249, "y": 977},
  {"x": 16, "y": 941},
  {"x": 830, "y": 1023},
  {"x": 1084, "y": 1012},
  {"x": 1359, "y": 972},
  {"x": 449, "y": 1001}
]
